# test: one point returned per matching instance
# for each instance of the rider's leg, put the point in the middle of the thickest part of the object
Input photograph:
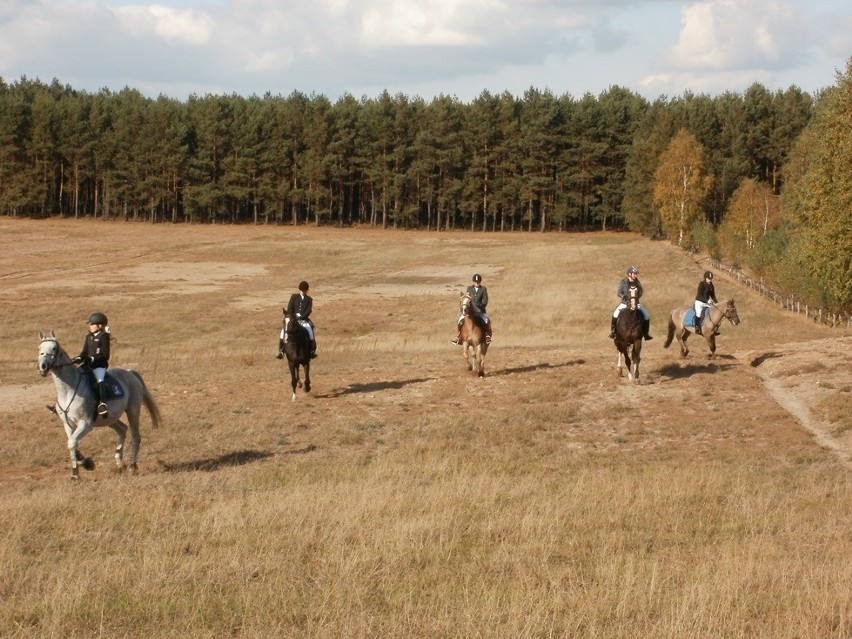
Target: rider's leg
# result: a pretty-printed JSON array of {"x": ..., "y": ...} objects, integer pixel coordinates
[
  {"x": 309, "y": 327},
  {"x": 457, "y": 339},
  {"x": 100, "y": 374},
  {"x": 699, "y": 319},
  {"x": 487, "y": 322},
  {"x": 615, "y": 319},
  {"x": 646, "y": 322}
]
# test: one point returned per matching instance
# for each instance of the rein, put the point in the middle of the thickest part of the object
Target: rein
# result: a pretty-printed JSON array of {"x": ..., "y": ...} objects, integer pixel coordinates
[{"x": 721, "y": 317}]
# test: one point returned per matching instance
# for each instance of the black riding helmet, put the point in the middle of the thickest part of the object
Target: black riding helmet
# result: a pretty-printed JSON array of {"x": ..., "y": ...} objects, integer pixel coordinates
[
  {"x": 477, "y": 277},
  {"x": 304, "y": 286},
  {"x": 98, "y": 318},
  {"x": 708, "y": 275}
]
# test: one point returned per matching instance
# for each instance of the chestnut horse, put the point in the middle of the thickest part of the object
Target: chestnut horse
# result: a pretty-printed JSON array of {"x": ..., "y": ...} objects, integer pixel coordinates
[
  {"x": 472, "y": 336},
  {"x": 629, "y": 331},
  {"x": 715, "y": 314}
]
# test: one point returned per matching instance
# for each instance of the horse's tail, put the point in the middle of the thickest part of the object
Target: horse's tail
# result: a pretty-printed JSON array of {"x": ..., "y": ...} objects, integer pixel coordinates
[
  {"x": 670, "y": 336},
  {"x": 150, "y": 403}
]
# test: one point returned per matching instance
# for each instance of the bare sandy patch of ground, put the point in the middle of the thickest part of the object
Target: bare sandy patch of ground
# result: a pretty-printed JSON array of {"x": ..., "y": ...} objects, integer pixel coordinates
[{"x": 812, "y": 381}]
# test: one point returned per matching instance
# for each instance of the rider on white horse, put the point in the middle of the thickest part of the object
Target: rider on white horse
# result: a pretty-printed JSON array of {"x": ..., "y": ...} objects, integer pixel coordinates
[
  {"x": 631, "y": 281},
  {"x": 95, "y": 354}
]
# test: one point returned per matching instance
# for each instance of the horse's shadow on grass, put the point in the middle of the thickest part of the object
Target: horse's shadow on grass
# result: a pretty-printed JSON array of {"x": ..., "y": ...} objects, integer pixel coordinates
[
  {"x": 534, "y": 367},
  {"x": 372, "y": 387},
  {"x": 676, "y": 371},
  {"x": 228, "y": 460}
]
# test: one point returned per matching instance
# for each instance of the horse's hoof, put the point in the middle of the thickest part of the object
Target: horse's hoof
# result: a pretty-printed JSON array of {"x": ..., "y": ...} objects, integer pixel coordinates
[
  {"x": 134, "y": 469},
  {"x": 88, "y": 464},
  {"x": 307, "y": 389}
]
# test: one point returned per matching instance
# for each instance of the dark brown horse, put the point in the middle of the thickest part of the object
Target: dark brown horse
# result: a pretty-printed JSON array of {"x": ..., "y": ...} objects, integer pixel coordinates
[
  {"x": 629, "y": 331},
  {"x": 472, "y": 337},
  {"x": 297, "y": 350},
  {"x": 715, "y": 314}
]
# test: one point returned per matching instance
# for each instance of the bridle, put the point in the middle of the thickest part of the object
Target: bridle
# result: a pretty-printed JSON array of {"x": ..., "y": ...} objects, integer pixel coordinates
[{"x": 53, "y": 356}]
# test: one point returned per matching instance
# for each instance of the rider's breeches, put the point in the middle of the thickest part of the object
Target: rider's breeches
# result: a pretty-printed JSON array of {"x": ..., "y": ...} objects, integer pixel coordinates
[
  {"x": 623, "y": 305},
  {"x": 100, "y": 373},
  {"x": 484, "y": 317},
  {"x": 305, "y": 324},
  {"x": 700, "y": 306}
]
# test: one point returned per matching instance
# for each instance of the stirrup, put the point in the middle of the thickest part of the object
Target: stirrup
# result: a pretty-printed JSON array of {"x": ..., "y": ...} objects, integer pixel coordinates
[
  {"x": 487, "y": 339},
  {"x": 279, "y": 355},
  {"x": 313, "y": 354},
  {"x": 103, "y": 411},
  {"x": 647, "y": 337},
  {"x": 455, "y": 341}
]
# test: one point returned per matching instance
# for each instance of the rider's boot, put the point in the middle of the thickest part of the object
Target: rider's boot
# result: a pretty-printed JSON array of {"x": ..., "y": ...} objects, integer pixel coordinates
[
  {"x": 313, "y": 349},
  {"x": 697, "y": 323},
  {"x": 280, "y": 354},
  {"x": 646, "y": 324},
  {"x": 102, "y": 407},
  {"x": 488, "y": 333},
  {"x": 457, "y": 339},
  {"x": 612, "y": 328}
]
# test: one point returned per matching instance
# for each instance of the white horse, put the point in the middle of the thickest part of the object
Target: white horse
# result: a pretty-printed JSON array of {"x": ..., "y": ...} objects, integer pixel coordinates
[{"x": 76, "y": 404}]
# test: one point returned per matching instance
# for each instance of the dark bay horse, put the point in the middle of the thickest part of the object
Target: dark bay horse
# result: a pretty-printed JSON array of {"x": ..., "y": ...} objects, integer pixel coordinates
[
  {"x": 715, "y": 314},
  {"x": 297, "y": 349},
  {"x": 472, "y": 337},
  {"x": 76, "y": 402},
  {"x": 629, "y": 331}
]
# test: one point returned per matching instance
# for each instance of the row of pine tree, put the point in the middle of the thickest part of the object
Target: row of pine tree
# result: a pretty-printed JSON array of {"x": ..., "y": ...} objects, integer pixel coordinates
[{"x": 743, "y": 176}]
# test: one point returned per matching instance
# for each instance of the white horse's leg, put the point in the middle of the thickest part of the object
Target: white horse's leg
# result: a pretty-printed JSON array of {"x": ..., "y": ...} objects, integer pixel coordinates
[
  {"x": 120, "y": 429},
  {"x": 74, "y": 438},
  {"x": 620, "y": 364},
  {"x": 135, "y": 436}
]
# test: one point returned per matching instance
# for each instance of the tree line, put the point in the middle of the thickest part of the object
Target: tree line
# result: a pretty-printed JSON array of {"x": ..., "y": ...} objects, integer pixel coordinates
[{"x": 706, "y": 172}]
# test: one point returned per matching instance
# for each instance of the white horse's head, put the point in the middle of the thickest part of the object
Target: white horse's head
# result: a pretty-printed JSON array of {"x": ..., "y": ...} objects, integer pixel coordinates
[
  {"x": 465, "y": 302},
  {"x": 49, "y": 353}
]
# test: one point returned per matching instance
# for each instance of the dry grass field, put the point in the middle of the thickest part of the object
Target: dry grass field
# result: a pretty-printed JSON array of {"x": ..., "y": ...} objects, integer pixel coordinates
[{"x": 403, "y": 497}]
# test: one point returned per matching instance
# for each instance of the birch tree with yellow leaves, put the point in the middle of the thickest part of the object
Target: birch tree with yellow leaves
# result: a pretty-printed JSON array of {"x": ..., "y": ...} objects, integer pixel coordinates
[{"x": 680, "y": 186}]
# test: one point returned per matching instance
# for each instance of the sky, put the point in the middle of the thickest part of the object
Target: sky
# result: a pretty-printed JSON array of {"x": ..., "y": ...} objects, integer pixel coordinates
[{"x": 425, "y": 48}]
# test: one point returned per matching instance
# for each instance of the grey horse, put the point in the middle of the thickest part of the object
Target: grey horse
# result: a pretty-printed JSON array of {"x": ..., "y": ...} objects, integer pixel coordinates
[{"x": 76, "y": 404}]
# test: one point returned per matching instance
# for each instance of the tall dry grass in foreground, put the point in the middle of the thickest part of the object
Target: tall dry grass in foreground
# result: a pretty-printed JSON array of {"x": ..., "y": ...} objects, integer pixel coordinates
[{"x": 406, "y": 498}]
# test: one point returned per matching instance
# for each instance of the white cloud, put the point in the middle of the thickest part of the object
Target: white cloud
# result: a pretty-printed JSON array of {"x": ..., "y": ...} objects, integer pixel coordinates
[
  {"x": 178, "y": 25},
  {"x": 723, "y": 34}
]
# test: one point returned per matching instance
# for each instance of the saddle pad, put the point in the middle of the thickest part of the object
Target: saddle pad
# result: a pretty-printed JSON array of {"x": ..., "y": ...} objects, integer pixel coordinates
[
  {"x": 689, "y": 318},
  {"x": 112, "y": 388}
]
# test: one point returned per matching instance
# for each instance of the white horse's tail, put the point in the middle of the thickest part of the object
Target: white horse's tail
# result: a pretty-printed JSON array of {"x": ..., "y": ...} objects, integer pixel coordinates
[{"x": 150, "y": 403}]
